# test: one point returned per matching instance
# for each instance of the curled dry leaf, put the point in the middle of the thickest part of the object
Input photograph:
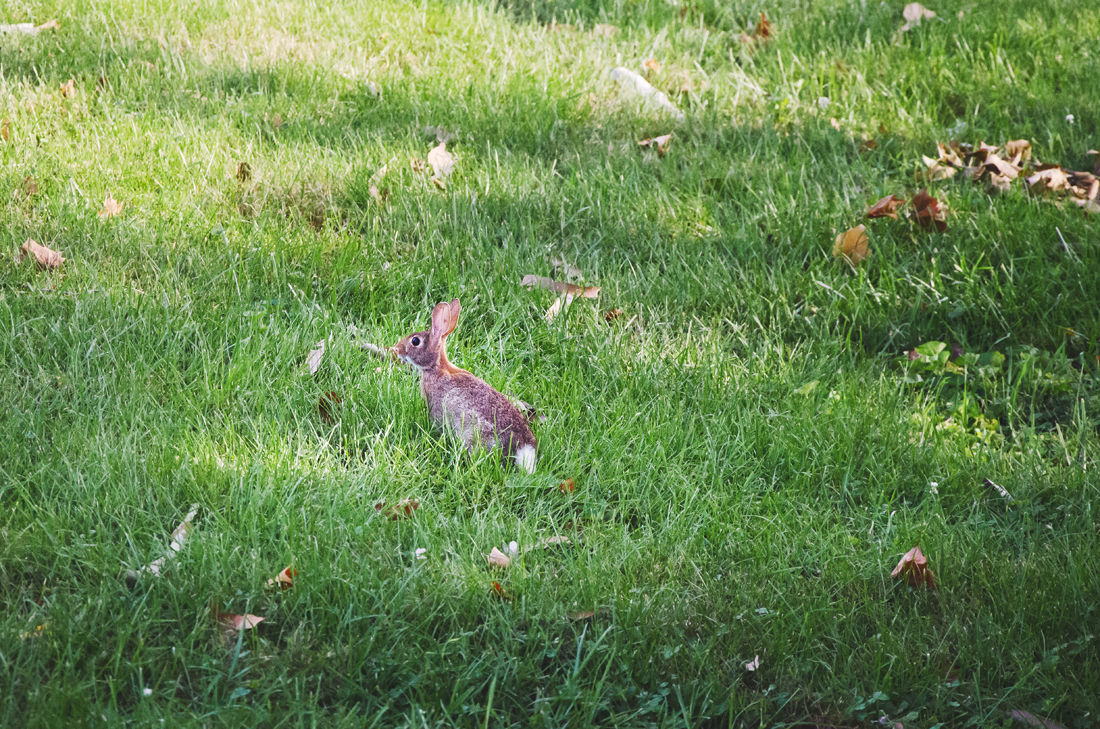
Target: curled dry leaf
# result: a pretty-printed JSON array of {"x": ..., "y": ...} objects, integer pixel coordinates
[
  {"x": 1018, "y": 150},
  {"x": 567, "y": 486},
  {"x": 498, "y": 558},
  {"x": 232, "y": 622},
  {"x": 401, "y": 509},
  {"x": 928, "y": 212},
  {"x": 45, "y": 257},
  {"x": 328, "y": 407},
  {"x": 913, "y": 568},
  {"x": 244, "y": 172},
  {"x": 763, "y": 30},
  {"x": 887, "y": 207},
  {"x": 661, "y": 144},
  {"x": 110, "y": 209},
  {"x": 1050, "y": 179},
  {"x": 914, "y": 13},
  {"x": 313, "y": 360},
  {"x": 588, "y": 292},
  {"x": 852, "y": 245},
  {"x": 583, "y": 615},
  {"x": 443, "y": 164},
  {"x": 284, "y": 579},
  {"x": 178, "y": 539}
]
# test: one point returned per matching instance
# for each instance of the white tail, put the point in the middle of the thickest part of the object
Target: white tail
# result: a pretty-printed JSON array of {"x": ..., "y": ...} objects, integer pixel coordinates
[{"x": 525, "y": 458}]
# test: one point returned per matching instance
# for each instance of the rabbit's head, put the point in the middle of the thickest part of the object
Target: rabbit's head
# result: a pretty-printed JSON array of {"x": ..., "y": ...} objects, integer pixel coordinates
[{"x": 427, "y": 350}]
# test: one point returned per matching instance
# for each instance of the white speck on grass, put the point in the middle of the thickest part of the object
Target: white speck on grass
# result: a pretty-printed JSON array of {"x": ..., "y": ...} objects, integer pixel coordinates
[
  {"x": 935, "y": 488},
  {"x": 823, "y": 102},
  {"x": 147, "y": 691},
  {"x": 513, "y": 547},
  {"x": 1069, "y": 118},
  {"x": 420, "y": 553}
]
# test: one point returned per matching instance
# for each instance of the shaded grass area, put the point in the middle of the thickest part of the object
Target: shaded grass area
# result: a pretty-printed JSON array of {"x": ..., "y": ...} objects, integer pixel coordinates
[{"x": 729, "y": 507}]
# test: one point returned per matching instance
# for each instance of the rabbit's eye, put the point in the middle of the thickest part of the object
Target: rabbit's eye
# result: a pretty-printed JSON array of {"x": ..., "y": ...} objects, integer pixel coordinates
[{"x": 416, "y": 341}]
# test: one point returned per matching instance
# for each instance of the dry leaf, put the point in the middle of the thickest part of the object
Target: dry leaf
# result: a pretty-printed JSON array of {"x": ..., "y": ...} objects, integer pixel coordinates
[
  {"x": 661, "y": 143},
  {"x": 763, "y": 30},
  {"x": 381, "y": 196},
  {"x": 568, "y": 270},
  {"x": 1030, "y": 719},
  {"x": 328, "y": 407},
  {"x": 498, "y": 558},
  {"x": 233, "y": 622},
  {"x": 30, "y": 187},
  {"x": 443, "y": 164},
  {"x": 179, "y": 537},
  {"x": 551, "y": 541},
  {"x": 244, "y": 172},
  {"x": 313, "y": 359},
  {"x": 588, "y": 292},
  {"x": 887, "y": 207},
  {"x": 402, "y": 508},
  {"x": 417, "y": 165},
  {"x": 29, "y": 28},
  {"x": 583, "y": 615},
  {"x": 5, "y": 129},
  {"x": 1019, "y": 148},
  {"x": 852, "y": 245},
  {"x": 753, "y": 665},
  {"x": 604, "y": 30},
  {"x": 567, "y": 486},
  {"x": 914, "y": 13},
  {"x": 834, "y": 123},
  {"x": 913, "y": 567},
  {"x": 556, "y": 307},
  {"x": 1052, "y": 179},
  {"x": 439, "y": 182},
  {"x": 928, "y": 212},
  {"x": 499, "y": 592},
  {"x": 43, "y": 255},
  {"x": 937, "y": 171},
  {"x": 612, "y": 315},
  {"x": 652, "y": 64},
  {"x": 995, "y": 165},
  {"x": 284, "y": 579},
  {"x": 110, "y": 209},
  {"x": 68, "y": 88}
]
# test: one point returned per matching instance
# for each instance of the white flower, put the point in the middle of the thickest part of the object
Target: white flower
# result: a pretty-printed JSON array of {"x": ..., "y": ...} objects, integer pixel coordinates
[
  {"x": 513, "y": 547},
  {"x": 1069, "y": 118},
  {"x": 823, "y": 102},
  {"x": 147, "y": 691},
  {"x": 420, "y": 553},
  {"x": 935, "y": 488}
]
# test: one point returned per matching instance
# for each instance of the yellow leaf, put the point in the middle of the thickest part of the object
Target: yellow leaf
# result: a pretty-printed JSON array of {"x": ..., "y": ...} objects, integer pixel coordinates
[{"x": 852, "y": 245}]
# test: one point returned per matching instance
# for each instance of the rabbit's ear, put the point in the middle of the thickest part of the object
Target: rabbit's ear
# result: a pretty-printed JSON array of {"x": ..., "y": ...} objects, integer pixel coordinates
[{"x": 445, "y": 318}]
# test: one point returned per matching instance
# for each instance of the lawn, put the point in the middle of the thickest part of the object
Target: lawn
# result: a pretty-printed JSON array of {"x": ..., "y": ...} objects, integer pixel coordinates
[{"x": 755, "y": 437}]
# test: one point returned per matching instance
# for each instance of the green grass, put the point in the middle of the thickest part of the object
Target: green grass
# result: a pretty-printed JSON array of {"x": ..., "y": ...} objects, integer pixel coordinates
[{"x": 728, "y": 508}]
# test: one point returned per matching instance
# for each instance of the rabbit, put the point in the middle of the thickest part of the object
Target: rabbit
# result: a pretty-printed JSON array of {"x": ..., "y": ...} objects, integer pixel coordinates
[{"x": 460, "y": 402}]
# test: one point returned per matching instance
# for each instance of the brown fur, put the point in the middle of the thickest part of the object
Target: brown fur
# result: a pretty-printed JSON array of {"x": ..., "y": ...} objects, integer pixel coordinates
[{"x": 458, "y": 401}]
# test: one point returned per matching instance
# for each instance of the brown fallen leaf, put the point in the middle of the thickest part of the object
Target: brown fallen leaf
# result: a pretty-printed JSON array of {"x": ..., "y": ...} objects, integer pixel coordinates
[
  {"x": 913, "y": 567},
  {"x": 914, "y": 13},
  {"x": 1020, "y": 148},
  {"x": 284, "y": 579},
  {"x": 244, "y": 172},
  {"x": 42, "y": 255},
  {"x": 1053, "y": 179},
  {"x": 567, "y": 486},
  {"x": 583, "y": 615},
  {"x": 661, "y": 143},
  {"x": 418, "y": 166},
  {"x": 5, "y": 129},
  {"x": 30, "y": 187},
  {"x": 551, "y": 541},
  {"x": 763, "y": 30},
  {"x": 928, "y": 212},
  {"x": 938, "y": 171},
  {"x": 443, "y": 164},
  {"x": 232, "y": 622},
  {"x": 328, "y": 407},
  {"x": 887, "y": 207},
  {"x": 110, "y": 209},
  {"x": 1026, "y": 717},
  {"x": 498, "y": 558},
  {"x": 499, "y": 592},
  {"x": 588, "y": 292},
  {"x": 852, "y": 245},
  {"x": 68, "y": 89},
  {"x": 612, "y": 314},
  {"x": 403, "y": 508},
  {"x": 605, "y": 31},
  {"x": 652, "y": 64}
]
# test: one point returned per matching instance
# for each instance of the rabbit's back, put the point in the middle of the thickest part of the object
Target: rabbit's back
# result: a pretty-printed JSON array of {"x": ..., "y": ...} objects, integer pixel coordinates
[{"x": 472, "y": 409}]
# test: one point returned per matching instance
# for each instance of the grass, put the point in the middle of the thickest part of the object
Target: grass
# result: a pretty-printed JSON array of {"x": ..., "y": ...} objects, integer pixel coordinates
[{"x": 729, "y": 506}]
